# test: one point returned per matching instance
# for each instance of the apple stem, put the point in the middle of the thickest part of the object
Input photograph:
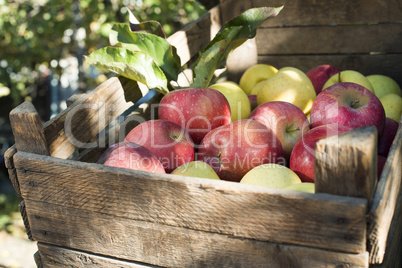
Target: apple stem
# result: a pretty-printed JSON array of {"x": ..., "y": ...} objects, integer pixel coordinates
[
  {"x": 293, "y": 129},
  {"x": 354, "y": 103}
]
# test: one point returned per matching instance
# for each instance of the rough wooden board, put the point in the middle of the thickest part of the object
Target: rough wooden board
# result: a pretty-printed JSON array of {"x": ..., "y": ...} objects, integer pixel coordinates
[
  {"x": 330, "y": 39},
  {"x": 384, "y": 202},
  {"x": 170, "y": 246},
  {"x": 196, "y": 35},
  {"x": 53, "y": 256},
  {"x": 331, "y": 222},
  {"x": 38, "y": 260},
  {"x": 25, "y": 219},
  {"x": 313, "y": 12},
  {"x": 387, "y": 64},
  {"x": 12, "y": 172},
  {"x": 346, "y": 165},
  {"x": 76, "y": 126},
  {"x": 28, "y": 129}
]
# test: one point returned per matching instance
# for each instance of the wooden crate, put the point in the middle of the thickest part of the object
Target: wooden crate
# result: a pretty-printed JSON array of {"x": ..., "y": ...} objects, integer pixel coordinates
[{"x": 86, "y": 214}]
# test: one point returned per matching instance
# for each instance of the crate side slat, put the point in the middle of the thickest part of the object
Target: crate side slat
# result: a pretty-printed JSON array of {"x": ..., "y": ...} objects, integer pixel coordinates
[
  {"x": 54, "y": 256},
  {"x": 12, "y": 172},
  {"x": 217, "y": 206},
  {"x": 330, "y": 40},
  {"x": 312, "y": 12},
  {"x": 385, "y": 200},
  {"x": 196, "y": 35},
  {"x": 170, "y": 246},
  {"x": 77, "y": 126}
]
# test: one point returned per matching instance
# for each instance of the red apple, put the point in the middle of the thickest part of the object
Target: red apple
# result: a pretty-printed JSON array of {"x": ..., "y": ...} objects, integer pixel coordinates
[
  {"x": 302, "y": 157},
  {"x": 232, "y": 150},
  {"x": 131, "y": 156},
  {"x": 348, "y": 104},
  {"x": 199, "y": 110},
  {"x": 170, "y": 143},
  {"x": 388, "y": 136},
  {"x": 285, "y": 120},
  {"x": 320, "y": 74}
]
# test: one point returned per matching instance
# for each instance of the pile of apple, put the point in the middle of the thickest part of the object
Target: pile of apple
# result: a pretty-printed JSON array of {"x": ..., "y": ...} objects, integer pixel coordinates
[{"x": 263, "y": 130}]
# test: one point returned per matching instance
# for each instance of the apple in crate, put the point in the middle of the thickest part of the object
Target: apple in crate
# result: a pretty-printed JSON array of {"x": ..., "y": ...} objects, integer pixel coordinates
[
  {"x": 169, "y": 142},
  {"x": 132, "y": 156},
  {"x": 320, "y": 74},
  {"x": 199, "y": 110},
  {"x": 285, "y": 120},
  {"x": 233, "y": 150},
  {"x": 350, "y": 76},
  {"x": 302, "y": 157},
  {"x": 348, "y": 104}
]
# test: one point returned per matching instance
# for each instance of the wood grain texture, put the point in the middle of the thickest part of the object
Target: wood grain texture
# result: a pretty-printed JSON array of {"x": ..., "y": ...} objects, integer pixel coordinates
[
  {"x": 27, "y": 129},
  {"x": 170, "y": 246},
  {"x": 346, "y": 165},
  {"x": 387, "y": 64},
  {"x": 312, "y": 12},
  {"x": 194, "y": 37},
  {"x": 12, "y": 172},
  {"x": 385, "y": 199},
  {"x": 330, "y": 39},
  {"x": 77, "y": 126},
  {"x": 248, "y": 211},
  {"x": 53, "y": 256}
]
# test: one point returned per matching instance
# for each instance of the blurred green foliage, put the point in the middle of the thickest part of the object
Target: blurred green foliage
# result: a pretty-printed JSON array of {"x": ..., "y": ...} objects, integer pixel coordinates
[{"x": 36, "y": 34}]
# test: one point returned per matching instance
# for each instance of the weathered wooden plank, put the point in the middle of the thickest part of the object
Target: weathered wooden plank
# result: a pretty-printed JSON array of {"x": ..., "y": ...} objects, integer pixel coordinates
[
  {"x": 387, "y": 64},
  {"x": 12, "y": 172},
  {"x": 312, "y": 12},
  {"x": 38, "y": 260},
  {"x": 25, "y": 219},
  {"x": 53, "y": 256},
  {"x": 385, "y": 199},
  {"x": 330, "y": 39},
  {"x": 28, "y": 129},
  {"x": 74, "y": 98},
  {"x": 274, "y": 215},
  {"x": 169, "y": 246},
  {"x": 76, "y": 126},
  {"x": 196, "y": 35},
  {"x": 346, "y": 165}
]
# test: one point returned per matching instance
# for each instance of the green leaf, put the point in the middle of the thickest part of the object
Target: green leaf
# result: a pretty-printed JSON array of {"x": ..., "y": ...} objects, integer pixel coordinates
[
  {"x": 233, "y": 33},
  {"x": 157, "y": 47},
  {"x": 135, "y": 65},
  {"x": 151, "y": 26}
]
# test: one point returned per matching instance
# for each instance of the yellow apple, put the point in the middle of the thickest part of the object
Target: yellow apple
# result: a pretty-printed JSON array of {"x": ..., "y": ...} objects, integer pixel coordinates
[
  {"x": 384, "y": 85},
  {"x": 289, "y": 84},
  {"x": 238, "y": 100},
  {"x": 392, "y": 105},
  {"x": 271, "y": 175},
  {"x": 307, "y": 187},
  {"x": 197, "y": 169},
  {"x": 257, "y": 87},
  {"x": 349, "y": 76},
  {"x": 255, "y": 74}
]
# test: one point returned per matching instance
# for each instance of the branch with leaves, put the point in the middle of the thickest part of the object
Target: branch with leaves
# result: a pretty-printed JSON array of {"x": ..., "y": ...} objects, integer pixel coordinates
[{"x": 140, "y": 51}]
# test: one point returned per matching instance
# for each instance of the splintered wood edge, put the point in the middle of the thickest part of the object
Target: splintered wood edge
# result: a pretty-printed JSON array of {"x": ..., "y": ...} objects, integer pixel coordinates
[
  {"x": 27, "y": 129},
  {"x": 346, "y": 164},
  {"x": 384, "y": 202},
  {"x": 12, "y": 172},
  {"x": 25, "y": 219}
]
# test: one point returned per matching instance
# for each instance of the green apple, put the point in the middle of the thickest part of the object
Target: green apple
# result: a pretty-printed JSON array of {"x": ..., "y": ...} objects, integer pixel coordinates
[
  {"x": 384, "y": 85},
  {"x": 392, "y": 105},
  {"x": 349, "y": 76},
  {"x": 196, "y": 169},
  {"x": 255, "y": 74},
  {"x": 289, "y": 84},
  {"x": 271, "y": 175},
  {"x": 238, "y": 100},
  {"x": 307, "y": 187}
]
